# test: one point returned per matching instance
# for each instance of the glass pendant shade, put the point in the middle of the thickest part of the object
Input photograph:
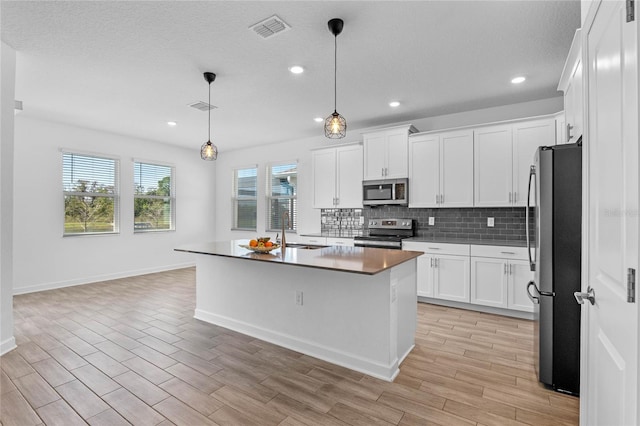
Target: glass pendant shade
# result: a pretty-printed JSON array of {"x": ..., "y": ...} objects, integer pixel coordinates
[
  {"x": 208, "y": 151},
  {"x": 335, "y": 126}
]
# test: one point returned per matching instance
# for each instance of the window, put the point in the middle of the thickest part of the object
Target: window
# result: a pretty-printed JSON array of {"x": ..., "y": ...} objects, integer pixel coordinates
[
  {"x": 245, "y": 197},
  {"x": 154, "y": 197},
  {"x": 90, "y": 186},
  {"x": 282, "y": 190}
]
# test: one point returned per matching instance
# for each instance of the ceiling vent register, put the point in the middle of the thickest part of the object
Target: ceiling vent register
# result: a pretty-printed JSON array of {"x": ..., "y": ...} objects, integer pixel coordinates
[
  {"x": 270, "y": 27},
  {"x": 202, "y": 106}
]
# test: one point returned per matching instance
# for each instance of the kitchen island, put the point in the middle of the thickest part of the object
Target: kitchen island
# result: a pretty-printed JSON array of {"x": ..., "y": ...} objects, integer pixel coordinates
[{"x": 350, "y": 306}]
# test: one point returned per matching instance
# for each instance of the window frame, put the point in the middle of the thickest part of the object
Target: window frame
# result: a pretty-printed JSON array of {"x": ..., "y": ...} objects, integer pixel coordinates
[
  {"x": 171, "y": 197},
  {"x": 115, "y": 196},
  {"x": 269, "y": 197},
  {"x": 235, "y": 197}
]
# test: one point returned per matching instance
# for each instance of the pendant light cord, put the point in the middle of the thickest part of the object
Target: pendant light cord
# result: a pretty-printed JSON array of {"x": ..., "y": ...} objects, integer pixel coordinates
[
  {"x": 209, "y": 135},
  {"x": 335, "y": 73}
]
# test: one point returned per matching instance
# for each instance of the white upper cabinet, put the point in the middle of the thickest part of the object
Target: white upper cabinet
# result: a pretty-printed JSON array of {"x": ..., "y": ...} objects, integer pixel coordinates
[
  {"x": 503, "y": 155},
  {"x": 424, "y": 170},
  {"x": 441, "y": 169},
  {"x": 571, "y": 84},
  {"x": 386, "y": 153},
  {"x": 493, "y": 153},
  {"x": 337, "y": 177},
  {"x": 527, "y": 137}
]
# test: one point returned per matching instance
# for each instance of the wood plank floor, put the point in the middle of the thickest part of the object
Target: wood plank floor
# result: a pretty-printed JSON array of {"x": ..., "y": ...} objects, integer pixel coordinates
[{"x": 128, "y": 351}]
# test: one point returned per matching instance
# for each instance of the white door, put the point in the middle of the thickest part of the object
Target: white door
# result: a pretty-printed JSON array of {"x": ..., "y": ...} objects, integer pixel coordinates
[
  {"x": 451, "y": 278},
  {"x": 609, "y": 366},
  {"x": 424, "y": 170},
  {"x": 349, "y": 177},
  {"x": 492, "y": 166},
  {"x": 456, "y": 169},
  {"x": 324, "y": 178},
  {"x": 489, "y": 281}
]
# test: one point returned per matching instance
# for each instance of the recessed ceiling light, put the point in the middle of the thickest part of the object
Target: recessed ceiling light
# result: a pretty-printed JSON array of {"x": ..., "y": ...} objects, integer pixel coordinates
[
  {"x": 518, "y": 80},
  {"x": 394, "y": 104},
  {"x": 296, "y": 69},
  {"x": 172, "y": 123},
  {"x": 318, "y": 119}
]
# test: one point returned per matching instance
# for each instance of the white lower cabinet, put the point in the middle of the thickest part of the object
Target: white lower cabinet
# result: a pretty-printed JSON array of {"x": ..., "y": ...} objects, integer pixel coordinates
[
  {"x": 494, "y": 276},
  {"x": 339, "y": 241},
  {"x": 500, "y": 279},
  {"x": 443, "y": 270}
]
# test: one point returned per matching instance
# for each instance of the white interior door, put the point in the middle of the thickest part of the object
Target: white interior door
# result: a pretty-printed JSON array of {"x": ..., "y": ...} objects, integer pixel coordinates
[{"x": 609, "y": 373}]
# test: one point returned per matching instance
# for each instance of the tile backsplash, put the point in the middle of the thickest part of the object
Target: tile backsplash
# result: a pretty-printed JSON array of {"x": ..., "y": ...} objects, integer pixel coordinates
[{"x": 467, "y": 223}]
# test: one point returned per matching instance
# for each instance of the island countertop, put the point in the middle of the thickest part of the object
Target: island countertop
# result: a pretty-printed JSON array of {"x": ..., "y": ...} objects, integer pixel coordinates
[{"x": 359, "y": 260}]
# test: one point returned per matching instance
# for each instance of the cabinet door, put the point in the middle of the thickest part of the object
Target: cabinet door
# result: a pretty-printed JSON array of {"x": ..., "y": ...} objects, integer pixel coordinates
[
  {"x": 519, "y": 276},
  {"x": 527, "y": 137},
  {"x": 397, "y": 153},
  {"x": 425, "y": 275},
  {"x": 424, "y": 170},
  {"x": 493, "y": 158},
  {"x": 349, "y": 177},
  {"x": 375, "y": 151},
  {"x": 489, "y": 281},
  {"x": 456, "y": 169},
  {"x": 576, "y": 104},
  {"x": 451, "y": 278},
  {"x": 324, "y": 178}
]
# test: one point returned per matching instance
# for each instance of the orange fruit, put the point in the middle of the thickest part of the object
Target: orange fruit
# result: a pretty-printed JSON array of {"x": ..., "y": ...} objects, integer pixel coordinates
[
  {"x": 268, "y": 244},
  {"x": 253, "y": 243}
]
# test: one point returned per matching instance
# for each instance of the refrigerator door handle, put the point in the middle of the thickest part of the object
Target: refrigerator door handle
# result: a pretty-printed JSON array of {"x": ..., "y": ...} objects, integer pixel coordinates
[
  {"x": 532, "y": 173},
  {"x": 534, "y": 299}
]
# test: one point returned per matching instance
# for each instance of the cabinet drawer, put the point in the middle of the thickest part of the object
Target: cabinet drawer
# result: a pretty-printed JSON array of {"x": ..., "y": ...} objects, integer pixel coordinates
[
  {"x": 437, "y": 248},
  {"x": 303, "y": 239},
  {"x": 335, "y": 241},
  {"x": 501, "y": 252}
]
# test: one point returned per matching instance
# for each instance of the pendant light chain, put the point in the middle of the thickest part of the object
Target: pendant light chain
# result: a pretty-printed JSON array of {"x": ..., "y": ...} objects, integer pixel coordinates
[
  {"x": 335, "y": 73},
  {"x": 209, "y": 135}
]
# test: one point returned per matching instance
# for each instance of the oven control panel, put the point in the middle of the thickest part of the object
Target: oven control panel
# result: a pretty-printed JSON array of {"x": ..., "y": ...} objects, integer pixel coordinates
[{"x": 385, "y": 223}]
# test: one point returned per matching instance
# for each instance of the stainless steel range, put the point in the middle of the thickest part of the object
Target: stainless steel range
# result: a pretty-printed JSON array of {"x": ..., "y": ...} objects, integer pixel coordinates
[{"x": 386, "y": 233}]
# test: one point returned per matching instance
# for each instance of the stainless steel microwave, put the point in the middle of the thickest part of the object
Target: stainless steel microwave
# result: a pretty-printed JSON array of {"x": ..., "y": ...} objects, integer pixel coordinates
[{"x": 385, "y": 191}]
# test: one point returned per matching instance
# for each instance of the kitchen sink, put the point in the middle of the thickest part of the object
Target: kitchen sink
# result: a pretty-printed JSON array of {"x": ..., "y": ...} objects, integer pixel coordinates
[{"x": 304, "y": 246}]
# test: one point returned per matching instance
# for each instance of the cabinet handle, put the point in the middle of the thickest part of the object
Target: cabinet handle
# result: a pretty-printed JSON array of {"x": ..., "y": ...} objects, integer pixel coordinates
[
  {"x": 510, "y": 269},
  {"x": 515, "y": 197},
  {"x": 437, "y": 199},
  {"x": 510, "y": 198},
  {"x": 441, "y": 198},
  {"x": 431, "y": 262},
  {"x": 382, "y": 172},
  {"x": 507, "y": 252},
  {"x": 386, "y": 171},
  {"x": 505, "y": 269},
  {"x": 437, "y": 262},
  {"x": 337, "y": 201},
  {"x": 433, "y": 248},
  {"x": 569, "y": 135}
]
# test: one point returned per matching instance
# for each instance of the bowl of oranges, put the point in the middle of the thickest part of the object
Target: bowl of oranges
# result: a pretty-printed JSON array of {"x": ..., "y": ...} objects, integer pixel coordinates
[{"x": 261, "y": 245}]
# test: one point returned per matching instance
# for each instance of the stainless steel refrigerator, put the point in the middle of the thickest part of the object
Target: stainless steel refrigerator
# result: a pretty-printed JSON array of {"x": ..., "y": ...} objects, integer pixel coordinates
[{"x": 555, "y": 204}]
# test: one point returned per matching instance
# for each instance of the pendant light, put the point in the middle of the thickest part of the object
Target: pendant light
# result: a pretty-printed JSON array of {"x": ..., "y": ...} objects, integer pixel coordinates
[
  {"x": 335, "y": 126},
  {"x": 209, "y": 151}
]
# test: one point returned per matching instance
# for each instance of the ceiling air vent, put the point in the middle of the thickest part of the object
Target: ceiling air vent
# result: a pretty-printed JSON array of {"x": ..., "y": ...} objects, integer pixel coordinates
[
  {"x": 202, "y": 106},
  {"x": 270, "y": 27}
]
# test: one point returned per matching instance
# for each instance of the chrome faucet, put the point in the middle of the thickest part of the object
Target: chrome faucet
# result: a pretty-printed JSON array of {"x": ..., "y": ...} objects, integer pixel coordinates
[{"x": 285, "y": 213}]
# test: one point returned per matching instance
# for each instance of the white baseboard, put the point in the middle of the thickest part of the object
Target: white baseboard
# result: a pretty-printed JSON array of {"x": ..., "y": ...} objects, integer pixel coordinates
[
  {"x": 99, "y": 278},
  {"x": 371, "y": 368},
  {"x": 7, "y": 345}
]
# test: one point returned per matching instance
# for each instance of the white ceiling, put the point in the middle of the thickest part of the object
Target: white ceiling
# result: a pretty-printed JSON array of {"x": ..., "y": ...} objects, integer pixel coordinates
[{"x": 129, "y": 67}]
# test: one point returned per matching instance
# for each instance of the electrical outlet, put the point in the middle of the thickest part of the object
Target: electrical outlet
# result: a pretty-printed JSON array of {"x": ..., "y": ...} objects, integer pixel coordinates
[
  {"x": 299, "y": 297},
  {"x": 490, "y": 222},
  {"x": 432, "y": 220}
]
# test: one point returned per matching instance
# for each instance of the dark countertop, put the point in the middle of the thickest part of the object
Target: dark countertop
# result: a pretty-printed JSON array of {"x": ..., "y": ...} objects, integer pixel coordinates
[
  {"x": 359, "y": 260},
  {"x": 506, "y": 243}
]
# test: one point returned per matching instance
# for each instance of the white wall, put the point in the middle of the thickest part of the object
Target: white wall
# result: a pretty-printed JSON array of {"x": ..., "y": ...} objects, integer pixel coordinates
[
  {"x": 7, "y": 95},
  {"x": 308, "y": 217},
  {"x": 44, "y": 259}
]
